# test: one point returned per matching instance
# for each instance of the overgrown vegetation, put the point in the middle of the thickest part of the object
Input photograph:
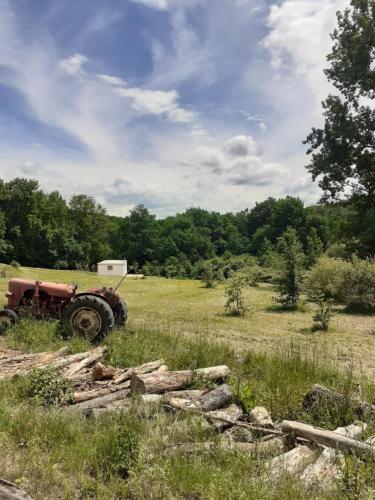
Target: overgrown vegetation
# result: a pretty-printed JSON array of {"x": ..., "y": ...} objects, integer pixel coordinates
[
  {"x": 45, "y": 387},
  {"x": 52, "y": 453}
]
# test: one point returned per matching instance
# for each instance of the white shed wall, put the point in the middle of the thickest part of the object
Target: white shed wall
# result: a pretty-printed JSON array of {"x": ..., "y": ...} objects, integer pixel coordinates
[{"x": 117, "y": 269}]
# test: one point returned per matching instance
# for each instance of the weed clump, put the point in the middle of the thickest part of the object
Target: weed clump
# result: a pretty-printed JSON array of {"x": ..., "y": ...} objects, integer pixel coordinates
[{"x": 46, "y": 387}]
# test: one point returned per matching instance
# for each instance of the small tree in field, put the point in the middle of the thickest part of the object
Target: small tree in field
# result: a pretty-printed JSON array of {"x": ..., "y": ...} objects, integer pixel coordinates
[
  {"x": 209, "y": 280},
  {"x": 314, "y": 247},
  {"x": 292, "y": 258},
  {"x": 236, "y": 304},
  {"x": 323, "y": 315}
]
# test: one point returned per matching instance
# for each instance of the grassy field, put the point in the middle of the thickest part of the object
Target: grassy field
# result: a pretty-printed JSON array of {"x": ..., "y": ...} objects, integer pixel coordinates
[
  {"x": 185, "y": 307},
  {"x": 273, "y": 357}
]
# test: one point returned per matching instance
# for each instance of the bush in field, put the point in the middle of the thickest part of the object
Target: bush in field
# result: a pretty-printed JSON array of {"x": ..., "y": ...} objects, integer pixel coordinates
[
  {"x": 46, "y": 387},
  {"x": 233, "y": 264},
  {"x": 326, "y": 279},
  {"x": 152, "y": 269},
  {"x": 292, "y": 257},
  {"x": 15, "y": 264},
  {"x": 359, "y": 285},
  {"x": 236, "y": 304},
  {"x": 323, "y": 315},
  {"x": 209, "y": 279}
]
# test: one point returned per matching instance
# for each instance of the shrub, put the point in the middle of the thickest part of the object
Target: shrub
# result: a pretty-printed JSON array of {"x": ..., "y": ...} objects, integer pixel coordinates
[
  {"x": 359, "y": 285},
  {"x": 208, "y": 276},
  {"x": 233, "y": 264},
  {"x": 15, "y": 264},
  {"x": 326, "y": 279},
  {"x": 236, "y": 305},
  {"x": 46, "y": 387},
  {"x": 323, "y": 315}
]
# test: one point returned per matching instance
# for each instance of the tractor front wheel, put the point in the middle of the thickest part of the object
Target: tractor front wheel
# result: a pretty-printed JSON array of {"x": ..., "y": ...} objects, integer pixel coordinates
[
  {"x": 8, "y": 318},
  {"x": 89, "y": 316}
]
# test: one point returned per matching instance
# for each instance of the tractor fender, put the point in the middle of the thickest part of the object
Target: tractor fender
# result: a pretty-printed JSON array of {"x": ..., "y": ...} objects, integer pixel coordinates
[{"x": 90, "y": 294}]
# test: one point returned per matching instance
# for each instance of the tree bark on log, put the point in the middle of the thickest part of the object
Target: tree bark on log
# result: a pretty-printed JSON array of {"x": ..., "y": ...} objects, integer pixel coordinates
[
  {"x": 81, "y": 396},
  {"x": 215, "y": 399},
  {"x": 260, "y": 416},
  {"x": 94, "y": 356},
  {"x": 213, "y": 373},
  {"x": 87, "y": 406},
  {"x": 293, "y": 462},
  {"x": 102, "y": 372},
  {"x": 10, "y": 491},
  {"x": 262, "y": 448},
  {"x": 138, "y": 370},
  {"x": 231, "y": 412},
  {"x": 328, "y": 467},
  {"x": 320, "y": 395},
  {"x": 159, "y": 382},
  {"x": 326, "y": 438}
]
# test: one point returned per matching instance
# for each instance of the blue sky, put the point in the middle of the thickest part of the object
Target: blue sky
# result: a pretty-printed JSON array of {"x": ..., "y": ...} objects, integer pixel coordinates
[{"x": 169, "y": 103}]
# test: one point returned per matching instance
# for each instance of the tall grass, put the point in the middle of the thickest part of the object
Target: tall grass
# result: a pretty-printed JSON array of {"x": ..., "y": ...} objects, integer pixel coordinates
[{"x": 54, "y": 454}]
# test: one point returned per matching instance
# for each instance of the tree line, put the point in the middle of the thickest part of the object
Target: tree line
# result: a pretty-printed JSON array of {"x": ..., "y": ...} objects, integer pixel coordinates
[{"x": 42, "y": 229}]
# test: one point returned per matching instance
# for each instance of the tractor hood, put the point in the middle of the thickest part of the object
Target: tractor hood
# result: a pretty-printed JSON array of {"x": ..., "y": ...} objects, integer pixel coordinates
[{"x": 18, "y": 286}]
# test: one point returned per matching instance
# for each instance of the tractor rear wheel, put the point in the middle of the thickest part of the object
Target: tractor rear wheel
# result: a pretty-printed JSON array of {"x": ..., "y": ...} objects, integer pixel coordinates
[
  {"x": 121, "y": 313},
  {"x": 90, "y": 316},
  {"x": 8, "y": 318}
]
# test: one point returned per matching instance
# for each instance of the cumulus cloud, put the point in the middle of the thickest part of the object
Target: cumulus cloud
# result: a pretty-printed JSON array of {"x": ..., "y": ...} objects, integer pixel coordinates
[
  {"x": 73, "y": 65},
  {"x": 155, "y": 4},
  {"x": 156, "y": 102},
  {"x": 240, "y": 162}
]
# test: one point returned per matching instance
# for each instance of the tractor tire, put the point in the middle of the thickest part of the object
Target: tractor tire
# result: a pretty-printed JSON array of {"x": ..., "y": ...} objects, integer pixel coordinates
[
  {"x": 89, "y": 316},
  {"x": 121, "y": 313},
  {"x": 8, "y": 318}
]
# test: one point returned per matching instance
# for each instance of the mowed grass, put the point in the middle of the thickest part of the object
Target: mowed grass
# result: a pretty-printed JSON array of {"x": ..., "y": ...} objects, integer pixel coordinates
[
  {"x": 185, "y": 307},
  {"x": 54, "y": 454}
]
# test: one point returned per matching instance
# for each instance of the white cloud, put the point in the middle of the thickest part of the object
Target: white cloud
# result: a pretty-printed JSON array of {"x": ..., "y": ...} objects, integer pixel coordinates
[
  {"x": 155, "y": 4},
  {"x": 112, "y": 80},
  {"x": 241, "y": 145},
  {"x": 73, "y": 65},
  {"x": 156, "y": 102}
]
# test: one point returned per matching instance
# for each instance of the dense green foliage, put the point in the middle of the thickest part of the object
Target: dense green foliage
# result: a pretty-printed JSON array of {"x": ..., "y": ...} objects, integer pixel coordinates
[
  {"x": 43, "y": 230},
  {"x": 343, "y": 151},
  {"x": 349, "y": 282}
]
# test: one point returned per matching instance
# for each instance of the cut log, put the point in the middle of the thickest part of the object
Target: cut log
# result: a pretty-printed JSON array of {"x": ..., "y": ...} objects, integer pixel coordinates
[
  {"x": 101, "y": 402},
  {"x": 138, "y": 370},
  {"x": 124, "y": 404},
  {"x": 326, "y": 438},
  {"x": 267, "y": 448},
  {"x": 260, "y": 416},
  {"x": 320, "y": 395},
  {"x": 231, "y": 412},
  {"x": 213, "y": 373},
  {"x": 81, "y": 396},
  {"x": 101, "y": 372},
  {"x": 328, "y": 467},
  {"x": 192, "y": 394},
  {"x": 218, "y": 398},
  {"x": 94, "y": 356},
  {"x": 293, "y": 462},
  {"x": 10, "y": 491},
  {"x": 66, "y": 361},
  {"x": 160, "y": 382}
]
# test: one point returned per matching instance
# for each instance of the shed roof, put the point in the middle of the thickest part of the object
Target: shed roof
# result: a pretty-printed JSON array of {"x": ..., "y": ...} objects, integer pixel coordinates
[{"x": 109, "y": 262}]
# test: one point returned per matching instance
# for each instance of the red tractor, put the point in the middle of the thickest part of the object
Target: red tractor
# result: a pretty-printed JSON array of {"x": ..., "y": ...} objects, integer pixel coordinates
[{"x": 92, "y": 314}]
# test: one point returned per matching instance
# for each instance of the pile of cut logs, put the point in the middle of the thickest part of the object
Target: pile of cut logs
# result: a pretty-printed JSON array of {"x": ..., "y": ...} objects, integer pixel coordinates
[{"x": 314, "y": 455}]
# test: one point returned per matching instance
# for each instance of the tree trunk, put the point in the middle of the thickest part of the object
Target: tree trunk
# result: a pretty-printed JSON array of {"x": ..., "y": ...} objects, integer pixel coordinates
[
  {"x": 81, "y": 396},
  {"x": 138, "y": 370},
  {"x": 100, "y": 402},
  {"x": 213, "y": 400},
  {"x": 10, "y": 491},
  {"x": 326, "y": 438},
  {"x": 159, "y": 382}
]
